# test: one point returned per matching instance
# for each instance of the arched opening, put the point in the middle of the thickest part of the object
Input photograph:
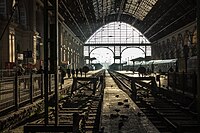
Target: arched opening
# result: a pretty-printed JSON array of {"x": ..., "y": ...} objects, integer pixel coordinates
[
  {"x": 117, "y": 36},
  {"x": 131, "y": 53},
  {"x": 103, "y": 56}
]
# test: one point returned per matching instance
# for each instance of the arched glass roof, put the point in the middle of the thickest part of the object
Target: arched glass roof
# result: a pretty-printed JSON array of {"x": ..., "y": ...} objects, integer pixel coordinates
[
  {"x": 117, "y": 32},
  {"x": 136, "y": 8}
]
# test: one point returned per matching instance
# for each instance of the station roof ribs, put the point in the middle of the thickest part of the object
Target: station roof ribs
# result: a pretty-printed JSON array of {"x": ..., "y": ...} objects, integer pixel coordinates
[{"x": 153, "y": 18}]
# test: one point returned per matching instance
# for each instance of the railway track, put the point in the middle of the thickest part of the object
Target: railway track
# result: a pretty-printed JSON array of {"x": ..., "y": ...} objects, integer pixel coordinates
[
  {"x": 79, "y": 110},
  {"x": 166, "y": 114}
]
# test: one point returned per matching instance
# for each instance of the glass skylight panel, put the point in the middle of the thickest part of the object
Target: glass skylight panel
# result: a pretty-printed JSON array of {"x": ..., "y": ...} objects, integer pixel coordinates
[
  {"x": 132, "y": 7},
  {"x": 126, "y": 8},
  {"x": 143, "y": 8}
]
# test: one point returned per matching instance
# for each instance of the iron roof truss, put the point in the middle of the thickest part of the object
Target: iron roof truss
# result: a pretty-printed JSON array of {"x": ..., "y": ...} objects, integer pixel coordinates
[{"x": 150, "y": 17}]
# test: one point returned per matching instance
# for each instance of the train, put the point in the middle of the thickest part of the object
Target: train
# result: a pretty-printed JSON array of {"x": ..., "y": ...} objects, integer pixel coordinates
[{"x": 163, "y": 66}]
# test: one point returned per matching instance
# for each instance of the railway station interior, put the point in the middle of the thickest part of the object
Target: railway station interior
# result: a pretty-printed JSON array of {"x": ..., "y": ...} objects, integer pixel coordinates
[{"x": 100, "y": 66}]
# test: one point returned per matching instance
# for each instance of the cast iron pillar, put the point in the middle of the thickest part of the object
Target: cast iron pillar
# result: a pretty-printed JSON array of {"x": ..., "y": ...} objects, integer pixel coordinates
[{"x": 51, "y": 53}]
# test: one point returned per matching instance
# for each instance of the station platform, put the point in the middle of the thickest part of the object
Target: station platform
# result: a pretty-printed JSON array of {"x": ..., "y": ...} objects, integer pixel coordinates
[{"x": 120, "y": 114}]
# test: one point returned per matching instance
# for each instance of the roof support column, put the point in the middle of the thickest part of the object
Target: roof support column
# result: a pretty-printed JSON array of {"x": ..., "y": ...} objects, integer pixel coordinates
[{"x": 50, "y": 47}]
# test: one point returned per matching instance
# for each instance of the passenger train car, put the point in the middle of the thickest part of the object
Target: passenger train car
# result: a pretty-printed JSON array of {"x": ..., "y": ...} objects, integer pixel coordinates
[
  {"x": 158, "y": 65},
  {"x": 163, "y": 66}
]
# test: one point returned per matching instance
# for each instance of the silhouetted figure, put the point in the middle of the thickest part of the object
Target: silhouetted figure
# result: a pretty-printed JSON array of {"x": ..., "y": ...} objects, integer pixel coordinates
[
  {"x": 76, "y": 72},
  {"x": 68, "y": 73},
  {"x": 141, "y": 70},
  {"x": 20, "y": 70},
  {"x": 40, "y": 71},
  {"x": 160, "y": 71},
  {"x": 63, "y": 74},
  {"x": 81, "y": 71},
  {"x": 73, "y": 72}
]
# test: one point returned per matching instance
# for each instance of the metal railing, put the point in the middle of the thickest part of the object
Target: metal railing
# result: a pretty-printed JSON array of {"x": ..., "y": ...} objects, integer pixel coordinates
[{"x": 17, "y": 90}]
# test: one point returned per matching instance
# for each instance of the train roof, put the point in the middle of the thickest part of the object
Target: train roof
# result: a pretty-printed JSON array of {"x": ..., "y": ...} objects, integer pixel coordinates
[
  {"x": 161, "y": 61},
  {"x": 156, "y": 62}
]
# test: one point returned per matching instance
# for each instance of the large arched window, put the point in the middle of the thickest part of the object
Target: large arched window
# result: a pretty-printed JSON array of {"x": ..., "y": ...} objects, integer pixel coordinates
[{"x": 117, "y": 33}]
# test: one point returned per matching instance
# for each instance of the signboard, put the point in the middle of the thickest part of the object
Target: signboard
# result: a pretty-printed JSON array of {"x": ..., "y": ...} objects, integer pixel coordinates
[{"x": 27, "y": 54}]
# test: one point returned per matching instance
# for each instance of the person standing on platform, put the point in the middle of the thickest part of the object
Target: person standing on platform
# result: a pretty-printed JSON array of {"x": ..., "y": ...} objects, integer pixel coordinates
[
  {"x": 73, "y": 72},
  {"x": 68, "y": 73},
  {"x": 63, "y": 74},
  {"x": 76, "y": 72},
  {"x": 81, "y": 71},
  {"x": 40, "y": 71}
]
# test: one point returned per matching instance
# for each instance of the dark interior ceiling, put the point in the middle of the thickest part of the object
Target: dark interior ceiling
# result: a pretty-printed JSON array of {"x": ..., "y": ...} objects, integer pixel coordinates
[{"x": 153, "y": 18}]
